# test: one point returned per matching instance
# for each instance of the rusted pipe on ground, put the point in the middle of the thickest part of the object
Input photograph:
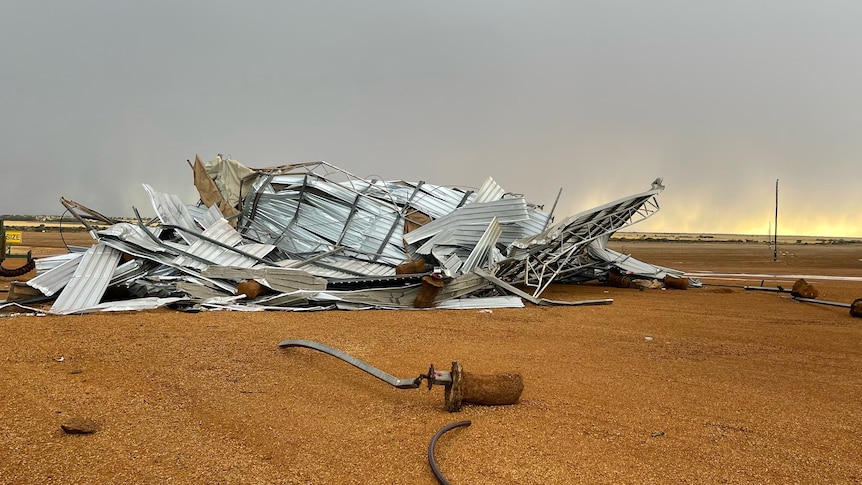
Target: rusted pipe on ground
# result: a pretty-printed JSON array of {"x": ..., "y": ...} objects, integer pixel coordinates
[
  {"x": 487, "y": 390},
  {"x": 822, "y": 302},
  {"x": 461, "y": 387},
  {"x": 855, "y": 307},
  {"x": 779, "y": 289}
]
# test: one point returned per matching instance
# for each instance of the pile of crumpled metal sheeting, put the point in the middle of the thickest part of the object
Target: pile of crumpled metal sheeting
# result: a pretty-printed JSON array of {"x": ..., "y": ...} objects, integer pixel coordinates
[{"x": 312, "y": 236}]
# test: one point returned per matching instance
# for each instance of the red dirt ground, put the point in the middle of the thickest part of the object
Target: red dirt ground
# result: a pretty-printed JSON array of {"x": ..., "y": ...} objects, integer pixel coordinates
[{"x": 734, "y": 386}]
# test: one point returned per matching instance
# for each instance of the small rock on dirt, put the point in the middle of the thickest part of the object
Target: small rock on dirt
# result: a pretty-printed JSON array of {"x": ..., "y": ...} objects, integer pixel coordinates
[{"x": 80, "y": 426}]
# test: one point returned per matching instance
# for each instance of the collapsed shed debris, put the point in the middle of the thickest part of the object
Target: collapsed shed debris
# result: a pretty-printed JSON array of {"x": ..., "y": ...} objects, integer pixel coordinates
[{"x": 314, "y": 236}]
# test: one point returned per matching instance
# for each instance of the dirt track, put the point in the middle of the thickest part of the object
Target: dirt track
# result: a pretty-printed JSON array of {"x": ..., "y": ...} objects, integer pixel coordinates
[{"x": 735, "y": 386}]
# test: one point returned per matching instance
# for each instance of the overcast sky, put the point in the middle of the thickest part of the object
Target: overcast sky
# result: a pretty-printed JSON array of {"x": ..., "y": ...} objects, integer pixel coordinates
[{"x": 720, "y": 98}]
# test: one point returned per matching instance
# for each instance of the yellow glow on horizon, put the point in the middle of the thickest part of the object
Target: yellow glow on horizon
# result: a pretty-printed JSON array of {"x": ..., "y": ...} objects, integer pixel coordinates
[
  {"x": 738, "y": 219},
  {"x": 790, "y": 225}
]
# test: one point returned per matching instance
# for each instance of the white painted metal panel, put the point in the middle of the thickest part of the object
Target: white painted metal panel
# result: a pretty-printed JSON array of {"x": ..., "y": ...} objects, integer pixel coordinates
[
  {"x": 171, "y": 210},
  {"x": 90, "y": 280},
  {"x": 483, "y": 247},
  {"x": 58, "y": 277}
]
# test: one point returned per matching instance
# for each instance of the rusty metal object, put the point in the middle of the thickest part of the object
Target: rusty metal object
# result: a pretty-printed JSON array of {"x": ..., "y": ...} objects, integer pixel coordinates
[
  {"x": 675, "y": 283},
  {"x": 431, "y": 286},
  {"x": 487, "y": 390},
  {"x": 618, "y": 280},
  {"x": 412, "y": 267},
  {"x": 251, "y": 289},
  {"x": 803, "y": 289},
  {"x": 461, "y": 387}
]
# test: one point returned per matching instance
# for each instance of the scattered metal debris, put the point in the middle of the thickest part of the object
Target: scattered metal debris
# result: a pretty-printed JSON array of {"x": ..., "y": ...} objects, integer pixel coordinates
[
  {"x": 312, "y": 236},
  {"x": 461, "y": 387},
  {"x": 807, "y": 293}
]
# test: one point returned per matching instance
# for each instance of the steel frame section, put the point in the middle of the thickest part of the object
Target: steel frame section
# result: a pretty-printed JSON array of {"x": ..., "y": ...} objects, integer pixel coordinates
[{"x": 560, "y": 251}]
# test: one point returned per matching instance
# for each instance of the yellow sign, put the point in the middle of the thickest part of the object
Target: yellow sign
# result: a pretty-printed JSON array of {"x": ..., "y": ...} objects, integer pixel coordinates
[{"x": 13, "y": 237}]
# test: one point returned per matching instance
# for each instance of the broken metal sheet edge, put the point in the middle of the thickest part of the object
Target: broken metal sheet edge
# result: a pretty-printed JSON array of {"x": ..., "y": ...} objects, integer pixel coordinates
[
  {"x": 131, "y": 305},
  {"x": 627, "y": 264},
  {"x": 47, "y": 263},
  {"x": 30, "y": 310}
]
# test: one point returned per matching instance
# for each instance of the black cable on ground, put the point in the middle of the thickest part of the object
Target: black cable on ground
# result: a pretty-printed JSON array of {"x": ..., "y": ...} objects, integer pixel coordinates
[
  {"x": 60, "y": 230},
  {"x": 433, "y": 443},
  {"x": 723, "y": 285}
]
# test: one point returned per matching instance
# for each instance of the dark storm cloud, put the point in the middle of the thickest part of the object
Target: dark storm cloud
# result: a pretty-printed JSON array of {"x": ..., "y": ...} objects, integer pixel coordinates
[{"x": 599, "y": 98}]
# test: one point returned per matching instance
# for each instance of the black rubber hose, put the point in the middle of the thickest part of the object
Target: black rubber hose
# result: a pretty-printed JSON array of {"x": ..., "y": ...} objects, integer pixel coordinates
[
  {"x": 29, "y": 266},
  {"x": 433, "y": 443}
]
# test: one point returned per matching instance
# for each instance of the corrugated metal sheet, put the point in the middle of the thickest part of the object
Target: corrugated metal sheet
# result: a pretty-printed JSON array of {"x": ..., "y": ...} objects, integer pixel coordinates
[
  {"x": 537, "y": 223},
  {"x": 47, "y": 263},
  {"x": 166, "y": 261},
  {"x": 90, "y": 280},
  {"x": 506, "y": 301},
  {"x": 134, "y": 304},
  {"x": 467, "y": 236},
  {"x": 483, "y": 247},
  {"x": 326, "y": 215},
  {"x": 128, "y": 271},
  {"x": 279, "y": 279},
  {"x": 461, "y": 286},
  {"x": 450, "y": 261},
  {"x": 203, "y": 216},
  {"x": 433, "y": 200},
  {"x": 348, "y": 268},
  {"x": 490, "y": 191},
  {"x": 58, "y": 277},
  {"x": 134, "y": 235},
  {"x": 200, "y": 290},
  {"x": 171, "y": 210},
  {"x": 222, "y": 232},
  {"x": 505, "y": 210}
]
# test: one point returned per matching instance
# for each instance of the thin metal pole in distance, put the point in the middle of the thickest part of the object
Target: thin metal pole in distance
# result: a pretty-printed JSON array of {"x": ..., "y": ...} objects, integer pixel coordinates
[{"x": 775, "y": 237}]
